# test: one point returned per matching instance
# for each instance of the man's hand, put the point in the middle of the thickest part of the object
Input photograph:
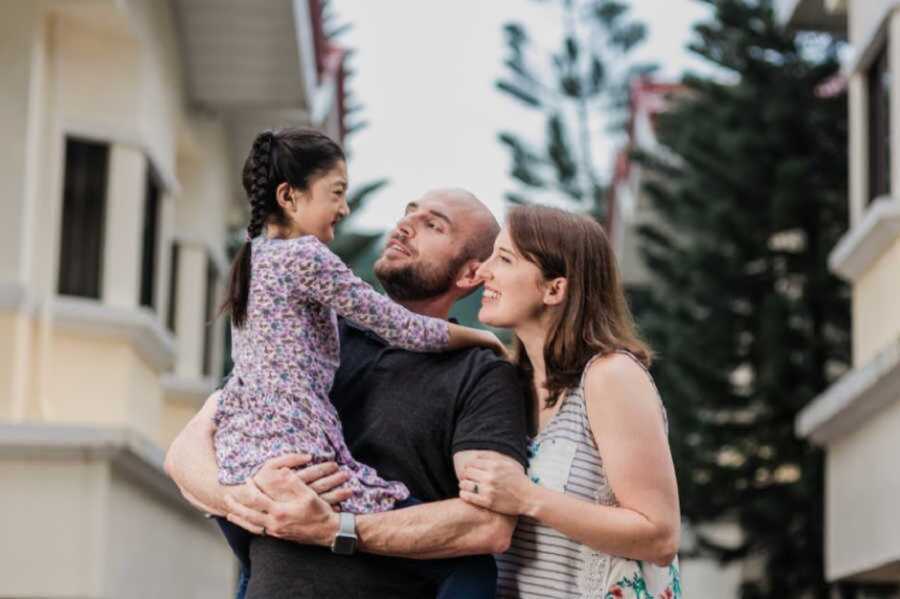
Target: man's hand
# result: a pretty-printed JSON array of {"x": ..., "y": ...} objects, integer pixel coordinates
[{"x": 287, "y": 504}]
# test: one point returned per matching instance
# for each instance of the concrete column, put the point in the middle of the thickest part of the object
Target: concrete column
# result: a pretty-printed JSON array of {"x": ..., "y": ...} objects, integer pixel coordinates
[
  {"x": 124, "y": 222},
  {"x": 17, "y": 108},
  {"x": 191, "y": 310}
]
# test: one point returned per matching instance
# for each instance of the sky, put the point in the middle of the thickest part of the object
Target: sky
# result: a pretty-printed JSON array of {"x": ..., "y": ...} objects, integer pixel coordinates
[{"x": 426, "y": 72}]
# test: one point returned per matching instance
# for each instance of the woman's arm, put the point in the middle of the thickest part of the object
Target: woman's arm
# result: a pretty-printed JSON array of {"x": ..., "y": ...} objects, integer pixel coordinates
[
  {"x": 322, "y": 276},
  {"x": 627, "y": 423}
]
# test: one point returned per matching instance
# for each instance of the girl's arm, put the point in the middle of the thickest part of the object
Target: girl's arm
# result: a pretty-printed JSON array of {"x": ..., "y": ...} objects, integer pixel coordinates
[
  {"x": 322, "y": 276},
  {"x": 627, "y": 423}
]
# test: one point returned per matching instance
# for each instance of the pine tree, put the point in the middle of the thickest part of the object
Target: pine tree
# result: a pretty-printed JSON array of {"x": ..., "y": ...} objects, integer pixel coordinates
[
  {"x": 748, "y": 322},
  {"x": 585, "y": 81}
]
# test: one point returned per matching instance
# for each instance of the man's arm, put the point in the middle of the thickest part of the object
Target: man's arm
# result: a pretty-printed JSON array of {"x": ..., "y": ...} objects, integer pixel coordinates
[
  {"x": 289, "y": 510},
  {"x": 191, "y": 461}
]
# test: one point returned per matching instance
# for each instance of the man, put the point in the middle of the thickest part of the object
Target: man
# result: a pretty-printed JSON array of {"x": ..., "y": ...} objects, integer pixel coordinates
[{"x": 415, "y": 417}]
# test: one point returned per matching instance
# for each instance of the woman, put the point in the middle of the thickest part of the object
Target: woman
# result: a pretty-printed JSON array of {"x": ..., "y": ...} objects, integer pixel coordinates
[{"x": 598, "y": 509}]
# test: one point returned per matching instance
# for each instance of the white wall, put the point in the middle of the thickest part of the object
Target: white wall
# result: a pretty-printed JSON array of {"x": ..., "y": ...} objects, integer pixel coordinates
[
  {"x": 82, "y": 527},
  {"x": 862, "y": 486}
]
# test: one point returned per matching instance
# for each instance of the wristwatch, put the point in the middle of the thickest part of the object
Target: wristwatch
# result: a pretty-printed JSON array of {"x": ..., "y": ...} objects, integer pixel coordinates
[{"x": 345, "y": 540}]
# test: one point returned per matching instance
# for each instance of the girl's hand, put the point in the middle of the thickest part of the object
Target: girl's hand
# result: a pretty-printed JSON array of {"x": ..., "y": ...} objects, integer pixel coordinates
[
  {"x": 461, "y": 336},
  {"x": 499, "y": 485},
  {"x": 493, "y": 343}
]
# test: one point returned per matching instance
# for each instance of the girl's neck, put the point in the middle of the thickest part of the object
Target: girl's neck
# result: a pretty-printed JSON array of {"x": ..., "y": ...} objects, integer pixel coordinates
[{"x": 277, "y": 231}]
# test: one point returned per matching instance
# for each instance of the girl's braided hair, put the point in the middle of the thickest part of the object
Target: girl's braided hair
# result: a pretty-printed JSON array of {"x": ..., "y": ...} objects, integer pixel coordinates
[{"x": 293, "y": 156}]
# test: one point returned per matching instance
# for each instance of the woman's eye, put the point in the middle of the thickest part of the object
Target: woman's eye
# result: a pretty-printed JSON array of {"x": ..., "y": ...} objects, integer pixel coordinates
[{"x": 506, "y": 260}]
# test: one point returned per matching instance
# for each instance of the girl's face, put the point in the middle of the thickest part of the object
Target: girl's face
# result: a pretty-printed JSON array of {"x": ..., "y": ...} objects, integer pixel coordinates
[
  {"x": 319, "y": 208},
  {"x": 514, "y": 288}
]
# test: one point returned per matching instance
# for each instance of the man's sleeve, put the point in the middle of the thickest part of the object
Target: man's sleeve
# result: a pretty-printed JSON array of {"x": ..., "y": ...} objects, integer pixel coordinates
[{"x": 492, "y": 415}]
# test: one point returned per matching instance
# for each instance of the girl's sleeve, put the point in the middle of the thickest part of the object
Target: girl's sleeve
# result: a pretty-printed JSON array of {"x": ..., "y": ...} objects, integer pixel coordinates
[{"x": 320, "y": 275}]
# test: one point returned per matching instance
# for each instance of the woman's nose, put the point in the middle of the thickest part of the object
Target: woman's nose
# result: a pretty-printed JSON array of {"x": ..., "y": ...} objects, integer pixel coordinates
[{"x": 345, "y": 208}]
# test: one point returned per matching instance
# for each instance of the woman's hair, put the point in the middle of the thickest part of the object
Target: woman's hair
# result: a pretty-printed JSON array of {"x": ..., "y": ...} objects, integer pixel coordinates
[
  {"x": 594, "y": 316},
  {"x": 292, "y": 156}
]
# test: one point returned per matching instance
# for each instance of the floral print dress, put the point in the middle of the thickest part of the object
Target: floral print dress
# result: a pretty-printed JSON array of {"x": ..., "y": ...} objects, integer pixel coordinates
[{"x": 285, "y": 358}]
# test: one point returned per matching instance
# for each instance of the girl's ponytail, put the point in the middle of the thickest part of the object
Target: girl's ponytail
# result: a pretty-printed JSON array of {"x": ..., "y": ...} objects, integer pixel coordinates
[{"x": 257, "y": 183}]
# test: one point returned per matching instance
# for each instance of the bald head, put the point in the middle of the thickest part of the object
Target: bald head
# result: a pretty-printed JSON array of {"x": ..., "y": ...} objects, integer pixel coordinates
[{"x": 477, "y": 224}]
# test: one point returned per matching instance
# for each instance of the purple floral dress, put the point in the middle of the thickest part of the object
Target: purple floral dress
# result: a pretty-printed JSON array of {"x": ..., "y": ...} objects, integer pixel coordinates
[{"x": 285, "y": 357}]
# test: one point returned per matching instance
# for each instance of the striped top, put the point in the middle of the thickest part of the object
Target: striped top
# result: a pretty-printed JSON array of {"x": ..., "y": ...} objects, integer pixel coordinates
[{"x": 542, "y": 562}]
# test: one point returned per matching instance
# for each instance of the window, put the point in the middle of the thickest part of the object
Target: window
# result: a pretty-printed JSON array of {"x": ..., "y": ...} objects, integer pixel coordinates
[
  {"x": 212, "y": 276},
  {"x": 879, "y": 83},
  {"x": 172, "y": 312},
  {"x": 150, "y": 240},
  {"x": 83, "y": 218}
]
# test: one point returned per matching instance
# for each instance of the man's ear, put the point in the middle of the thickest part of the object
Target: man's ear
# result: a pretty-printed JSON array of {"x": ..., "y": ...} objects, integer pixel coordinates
[
  {"x": 466, "y": 277},
  {"x": 555, "y": 291}
]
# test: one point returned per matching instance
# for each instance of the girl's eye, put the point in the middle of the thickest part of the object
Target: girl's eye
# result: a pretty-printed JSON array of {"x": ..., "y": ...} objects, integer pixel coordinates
[{"x": 506, "y": 260}]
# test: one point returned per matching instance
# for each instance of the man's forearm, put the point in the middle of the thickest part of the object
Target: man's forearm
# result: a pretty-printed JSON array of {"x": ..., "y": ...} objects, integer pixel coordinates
[
  {"x": 441, "y": 529},
  {"x": 191, "y": 463}
]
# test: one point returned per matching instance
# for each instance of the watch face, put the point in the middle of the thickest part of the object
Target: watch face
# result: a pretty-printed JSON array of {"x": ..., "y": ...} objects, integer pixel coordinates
[{"x": 344, "y": 545}]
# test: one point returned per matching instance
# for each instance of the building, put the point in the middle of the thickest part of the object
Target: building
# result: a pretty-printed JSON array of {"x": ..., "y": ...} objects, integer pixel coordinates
[
  {"x": 629, "y": 205},
  {"x": 857, "y": 420},
  {"x": 125, "y": 124}
]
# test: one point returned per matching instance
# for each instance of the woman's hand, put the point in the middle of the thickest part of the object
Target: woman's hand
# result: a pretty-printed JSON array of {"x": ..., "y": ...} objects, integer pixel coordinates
[{"x": 499, "y": 485}]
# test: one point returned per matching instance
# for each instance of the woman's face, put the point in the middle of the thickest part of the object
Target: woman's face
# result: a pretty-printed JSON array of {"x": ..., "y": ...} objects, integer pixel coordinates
[
  {"x": 513, "y": 287},
  {"x": 318, "y": 209}
]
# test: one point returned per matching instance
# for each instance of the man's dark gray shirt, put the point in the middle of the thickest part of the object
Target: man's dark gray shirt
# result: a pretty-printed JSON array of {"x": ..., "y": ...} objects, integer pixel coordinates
[{"x": 405, "y": 414}]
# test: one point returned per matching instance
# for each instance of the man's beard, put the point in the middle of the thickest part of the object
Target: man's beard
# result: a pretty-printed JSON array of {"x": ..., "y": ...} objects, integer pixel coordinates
[{"x": 416, "y": 282}]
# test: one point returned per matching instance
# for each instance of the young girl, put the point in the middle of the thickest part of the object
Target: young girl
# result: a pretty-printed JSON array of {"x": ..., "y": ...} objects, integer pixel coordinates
[{"x": 285, "y": 291}]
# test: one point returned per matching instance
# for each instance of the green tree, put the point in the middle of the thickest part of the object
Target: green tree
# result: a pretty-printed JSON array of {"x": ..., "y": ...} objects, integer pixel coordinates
[
  {"x": 749, "y": 323},
  {"x": 587, "y": 80}
]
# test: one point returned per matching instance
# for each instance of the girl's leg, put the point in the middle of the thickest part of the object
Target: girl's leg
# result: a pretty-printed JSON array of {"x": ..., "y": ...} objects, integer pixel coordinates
[
  {"x": 471, "y": 577},
  {"x": 239, "y": 541}
]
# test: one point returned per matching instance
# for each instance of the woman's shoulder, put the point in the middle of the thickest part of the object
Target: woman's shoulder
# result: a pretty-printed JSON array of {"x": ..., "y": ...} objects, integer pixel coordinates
[
  {"x": 618, "y": 366},
  {"x": 619, "y": 375}
]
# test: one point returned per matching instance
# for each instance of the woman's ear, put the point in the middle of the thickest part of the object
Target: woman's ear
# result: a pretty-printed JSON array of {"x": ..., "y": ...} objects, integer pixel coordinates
[{"x": 555, "y": 291}]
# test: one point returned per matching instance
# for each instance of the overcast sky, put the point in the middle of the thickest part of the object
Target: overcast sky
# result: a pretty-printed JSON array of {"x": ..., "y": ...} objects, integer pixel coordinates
[{"x": 425, "y": 73}]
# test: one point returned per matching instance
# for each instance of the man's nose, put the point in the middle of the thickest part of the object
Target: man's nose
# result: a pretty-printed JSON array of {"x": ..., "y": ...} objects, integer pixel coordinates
[
  {"x": 405, "y": 227},
  {"x": 483, "y": 272}
]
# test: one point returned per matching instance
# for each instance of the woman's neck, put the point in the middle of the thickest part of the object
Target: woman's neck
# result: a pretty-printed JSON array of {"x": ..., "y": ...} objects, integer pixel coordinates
[{"x": 534, "y": 337}]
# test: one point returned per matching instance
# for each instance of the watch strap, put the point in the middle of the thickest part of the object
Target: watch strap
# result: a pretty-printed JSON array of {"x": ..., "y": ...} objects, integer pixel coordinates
[{"x": 347, "y": 526}]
